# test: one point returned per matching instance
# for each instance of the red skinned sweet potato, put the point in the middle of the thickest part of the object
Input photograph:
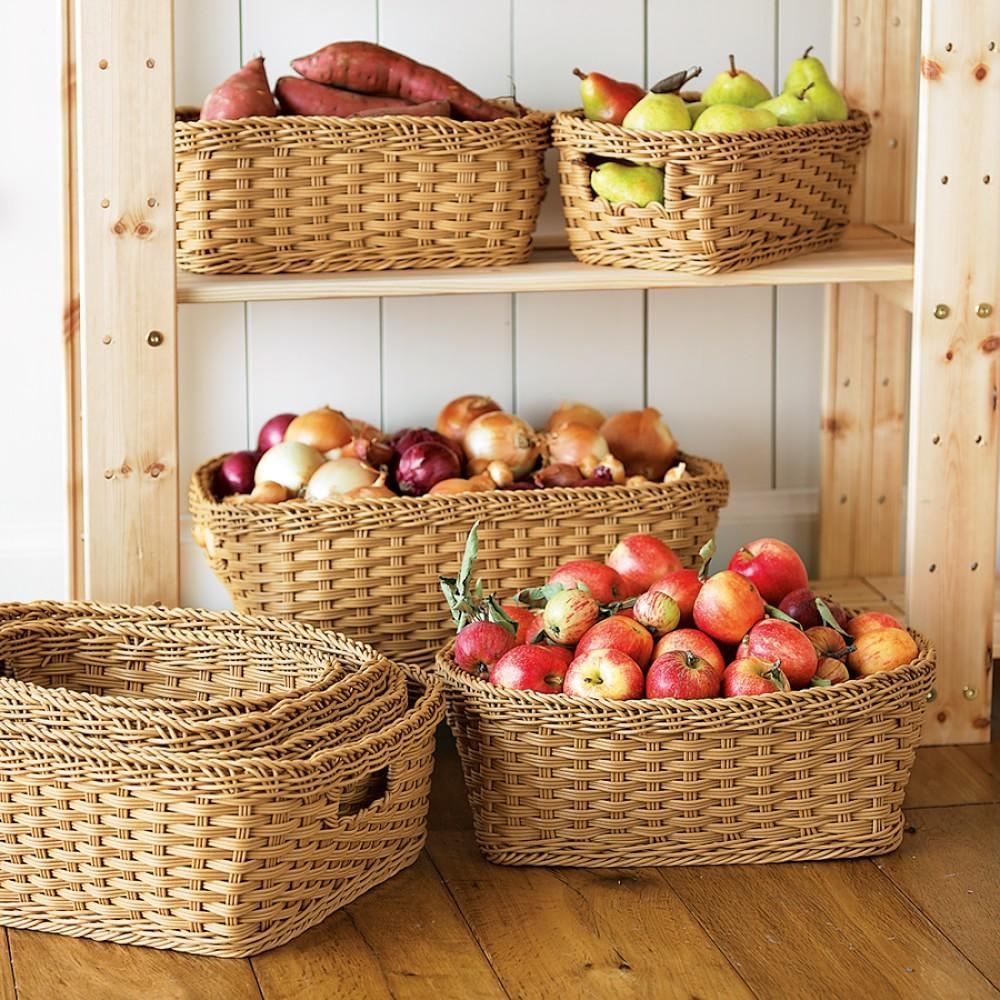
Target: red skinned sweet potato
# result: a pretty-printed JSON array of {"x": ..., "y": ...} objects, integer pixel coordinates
[
  {"x": 298, "y": 96},
  {"x": 241, "y": 95},
  {"x": 420, "y": 110},
  {"x": 374, "y": 69}
]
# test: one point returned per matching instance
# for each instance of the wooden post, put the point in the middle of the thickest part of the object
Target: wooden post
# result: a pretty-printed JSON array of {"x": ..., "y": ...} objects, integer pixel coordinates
[
  {"x": 863, "y": 432},
  {"x": 953, "y": 453},
  {"x": 127, "y": 504}
]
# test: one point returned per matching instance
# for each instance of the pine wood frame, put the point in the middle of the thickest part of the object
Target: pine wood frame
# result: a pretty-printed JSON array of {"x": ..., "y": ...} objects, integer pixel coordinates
[{"x": 124, "y": 357}]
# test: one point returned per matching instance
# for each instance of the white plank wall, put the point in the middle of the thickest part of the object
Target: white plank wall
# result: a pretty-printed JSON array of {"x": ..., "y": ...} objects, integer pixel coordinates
[{"x": 736, "y": 372}]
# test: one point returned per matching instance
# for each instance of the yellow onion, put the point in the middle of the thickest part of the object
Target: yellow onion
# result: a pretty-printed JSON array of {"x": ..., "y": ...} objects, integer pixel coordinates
[
  {"x": 456, "y": 415},
  {"x": 642, "y": 441},
  {"x": 572, "y": 443},
  {"x": 290, "y": 463},
  {"x": 324, "y": 429},
  {"x": 499, "y": 436},
  {"x": 575, "y": 413},
  {"x": 375, "y": 490},
  {"x": 338, "y": 476},
  {"x": 267, "y": 491},
  {"x": 474, "y": 484}
]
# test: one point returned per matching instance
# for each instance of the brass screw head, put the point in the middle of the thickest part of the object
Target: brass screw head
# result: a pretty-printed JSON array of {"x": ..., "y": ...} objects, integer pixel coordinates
[
  {"x": 154, "y": 338},
  {"x": 984, "y": 309},
  {"x": 968, "y": 693},
  {"x": 932, "y": 694},
  {"x": 941, "y": 311}
]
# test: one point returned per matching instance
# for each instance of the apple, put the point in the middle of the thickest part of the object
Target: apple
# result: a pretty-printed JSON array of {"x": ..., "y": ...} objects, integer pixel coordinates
[
  {"x": 524, "y": 618},
  {"x": 618, "y": 632},
  {"x": 603, "y": 582},
  {"x": 801, "y": 605},
  {"x": 568, "y": 614},
  {"x": 641, "y": 558},
  {"x": 679, "y": 673},
  {"x": 694, "y": 641},
  {"x": 683, "y": 586},
  {"x": 752, "y": 675},
  {"x": 657, "y": 611},
  {"x": 827, "y": 641},
  {"x": 604, "y": 673},
  {"x": 881, "y": 649},
  {"x": 775, "y": 568},
  {"x": 530, "y": 668},
  {"x": 479, "y": 644},
  {"x": 867, "y": 621},
  {"x": 728, "y": 606},
  {"x": 831, "y": 670},
  {"x": 781, "y": 642}
]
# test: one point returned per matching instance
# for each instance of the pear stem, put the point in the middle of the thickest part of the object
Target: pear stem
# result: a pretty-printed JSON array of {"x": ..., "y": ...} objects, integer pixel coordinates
[
  {"x": 733, "y": 71},
  {"x": 808, "y": 86},
  {"x": 578, "y": 72},
  {"x": 805, "y": 55}
]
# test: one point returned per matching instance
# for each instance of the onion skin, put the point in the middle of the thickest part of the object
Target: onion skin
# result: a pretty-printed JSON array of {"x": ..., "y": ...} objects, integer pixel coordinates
[
  {"x": 456, "y": 415},
  {"x": 558, "y": 474},
  {"x": 272, "y": 431},
  {"x": 266, "y": 492},
  {"x": 499, "y": 436},
  {"x": 290, "y": 463},
  {"x": 323, "y": 429},
  {"x": 572, "y": 442},
  {"x": 338, "y": 476},
  {"x": 236, "y": 473},
  {"x": 577, "y": 413},
  {"x": 642, "y": 441},
  {"x": 482, "y": 483},
  {"x": 423, "y": 464}
]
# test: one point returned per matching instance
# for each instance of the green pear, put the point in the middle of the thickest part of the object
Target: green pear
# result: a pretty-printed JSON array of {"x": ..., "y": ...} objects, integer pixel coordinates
[
  {"x": 827, "y": 101},
  {"x": 695, "y": 108},
  {"x": 735, "y": 86},
  {"x": 620, "y": 182},
  {"x": 658, "y": 113},
  {"x": 734, "y": 118},
  {"x": 792, "y": 109}
]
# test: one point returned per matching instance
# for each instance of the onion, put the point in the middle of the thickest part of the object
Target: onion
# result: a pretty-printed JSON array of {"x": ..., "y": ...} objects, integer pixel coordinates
[
  {"x": 558, "y": 474},
  {"x": 499, "y": 436},
  {"x": 474, "y": 484},
  {"x": 337, "y": 476},
  {"x": 272, "y": 431},
  {"x": 573, "y": 442},
  {"x": 290, "y": 463},
  {"x": 376, "y": 490},
  {"x": 324, "y": 429},
  {"x": 423, "y": 464},
  {"x": 500, "y": 473},
  {"x": 266, "y": 492},
  {"x": 642, "y": 441},
  {"x": 455, "y": 417},
  {"x": 409, "y": 436},
  {"x": 575, "y": 413},
  {"x": 235, "y": 474}
]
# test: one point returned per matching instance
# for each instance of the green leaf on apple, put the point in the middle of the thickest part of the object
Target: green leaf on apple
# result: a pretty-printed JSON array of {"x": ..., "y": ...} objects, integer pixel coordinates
[
  {"x": 774, "y": 612},
  {"x": 535, "y": 596},
  {"x": 826, "y": 615},
  {"x": 469, "y": 557},
  {"x": 495, "y": 613},
  {"x": 820, "y": 682}
]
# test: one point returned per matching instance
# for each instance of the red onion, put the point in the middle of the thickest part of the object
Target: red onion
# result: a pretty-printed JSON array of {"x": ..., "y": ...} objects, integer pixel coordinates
[
  {"x": 423, "y": 464},
  {"x": 273, "y": 431},
  {"x": 235, "y": 475}
]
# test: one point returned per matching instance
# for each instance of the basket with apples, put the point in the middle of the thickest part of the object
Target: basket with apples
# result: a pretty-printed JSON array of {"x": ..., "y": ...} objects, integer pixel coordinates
[
  {"x": 632, "y": 710},
  {"x": 719, "y": 180}
]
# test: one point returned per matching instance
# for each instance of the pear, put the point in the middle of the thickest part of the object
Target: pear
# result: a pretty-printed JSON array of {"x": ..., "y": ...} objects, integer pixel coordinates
[
  {"x": 734, "y": 118},
  {"x": 658, "y": 113},
  {"x": 620, "y": 182},
  {"x": 605, "y": 99},
  {"x": 695, "y": 108},
  {"x": 736, "y": 86},
  {"x": 827, "y": 101},
  {"x": 792, "y": 109}
]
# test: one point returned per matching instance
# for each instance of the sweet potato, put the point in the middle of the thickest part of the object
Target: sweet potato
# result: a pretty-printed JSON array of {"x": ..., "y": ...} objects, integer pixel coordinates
[
  {"x": 374, "y": 69},
  {"x": 420, "y": 110},
  {"x": 244, "y": 93},
  {"x": 298, "y": 96}
]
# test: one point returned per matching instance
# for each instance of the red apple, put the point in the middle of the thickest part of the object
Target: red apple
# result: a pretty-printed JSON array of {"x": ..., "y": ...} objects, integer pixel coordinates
[
  {"x": 827, "y": 641},
  {"x": 530, "y": 668},
  {"x": 801, "y": 605},
  {"x": 479, "y": 644},
  {"x": 868, "y": 621},
  {"x": 683, "y": 586},
  {"x": 881, "y": 649},
  {"x": 782, "y": 642},
  {"x": 831, "y": 671},
  {"x": 568, "y": 614},
  {"x": 657, "y": 611},
  {"x": 524, "y": 618},
  {"x": 641, "y": 558},
  {"x": 695, "y": 641},
  {"x": 774, "y": 567},
  {"x": 681, "y": 674},
  {"x": 618, "y": 632},
  {"x": 752, "y": 675},
  {"x": 604, "y": 673},
  {"x": 728, "y": 606},
  {"x": 603, "y": 582}
]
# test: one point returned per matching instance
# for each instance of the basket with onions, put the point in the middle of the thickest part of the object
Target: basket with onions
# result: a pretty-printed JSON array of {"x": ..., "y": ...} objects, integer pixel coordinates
[{"x": 334, "y": 521}]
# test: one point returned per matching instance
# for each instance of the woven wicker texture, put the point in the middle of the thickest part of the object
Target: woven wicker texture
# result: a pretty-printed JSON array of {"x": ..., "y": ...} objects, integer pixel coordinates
[
  {"x": 216, "y": 852},
  {"x": 370, "y": 567},
  {"x": 806, "y": 775},
  {"x": 731, "y": 200},
  {"x": 308, "y": 193},
  {"x": 186, "y": 679}
]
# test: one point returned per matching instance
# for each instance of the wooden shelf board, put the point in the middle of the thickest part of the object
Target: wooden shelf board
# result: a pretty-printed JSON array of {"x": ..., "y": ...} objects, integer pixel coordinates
[{"x": 866, "y": 253}]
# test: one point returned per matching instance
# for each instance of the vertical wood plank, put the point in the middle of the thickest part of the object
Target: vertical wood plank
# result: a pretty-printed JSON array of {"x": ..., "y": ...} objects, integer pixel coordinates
[
  {"x": 129, "y": 404},
  {"x": 953, "y": 454}
]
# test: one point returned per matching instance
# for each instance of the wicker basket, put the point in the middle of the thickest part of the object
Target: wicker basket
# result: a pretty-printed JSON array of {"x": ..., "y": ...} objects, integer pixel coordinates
[
  {"x": 805, "y": 775},
  {"x": 217, "y": 852},
  {"x": 731, "y": 200},
  {"x": 370, "y": 567},
  {"x": 308, "y": 193}
]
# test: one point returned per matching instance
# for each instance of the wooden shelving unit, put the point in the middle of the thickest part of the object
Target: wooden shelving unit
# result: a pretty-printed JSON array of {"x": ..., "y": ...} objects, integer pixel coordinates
[{"x": 126, "y": 494}]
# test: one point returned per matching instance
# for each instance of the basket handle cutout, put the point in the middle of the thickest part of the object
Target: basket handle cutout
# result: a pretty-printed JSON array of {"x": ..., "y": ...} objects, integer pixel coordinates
[{"x": 377, "y": 786}]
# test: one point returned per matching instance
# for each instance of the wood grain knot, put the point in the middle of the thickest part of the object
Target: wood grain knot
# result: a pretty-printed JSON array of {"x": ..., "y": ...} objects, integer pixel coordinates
[
  {"x": 990, "y": 344},
  {"x": 980, "y": 72},
  {"x": 930, "y": 69},
  {"x": 980, "y": 722}
]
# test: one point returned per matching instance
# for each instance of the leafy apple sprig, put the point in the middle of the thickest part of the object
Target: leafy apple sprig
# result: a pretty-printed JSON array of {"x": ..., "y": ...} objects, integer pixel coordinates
[
  {"x": 536, "y": 597},
  {"x": 467, "y": 602}
]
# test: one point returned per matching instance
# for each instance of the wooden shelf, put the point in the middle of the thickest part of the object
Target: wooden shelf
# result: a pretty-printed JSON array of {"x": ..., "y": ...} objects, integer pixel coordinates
[{"x": 881, "y": 256}]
